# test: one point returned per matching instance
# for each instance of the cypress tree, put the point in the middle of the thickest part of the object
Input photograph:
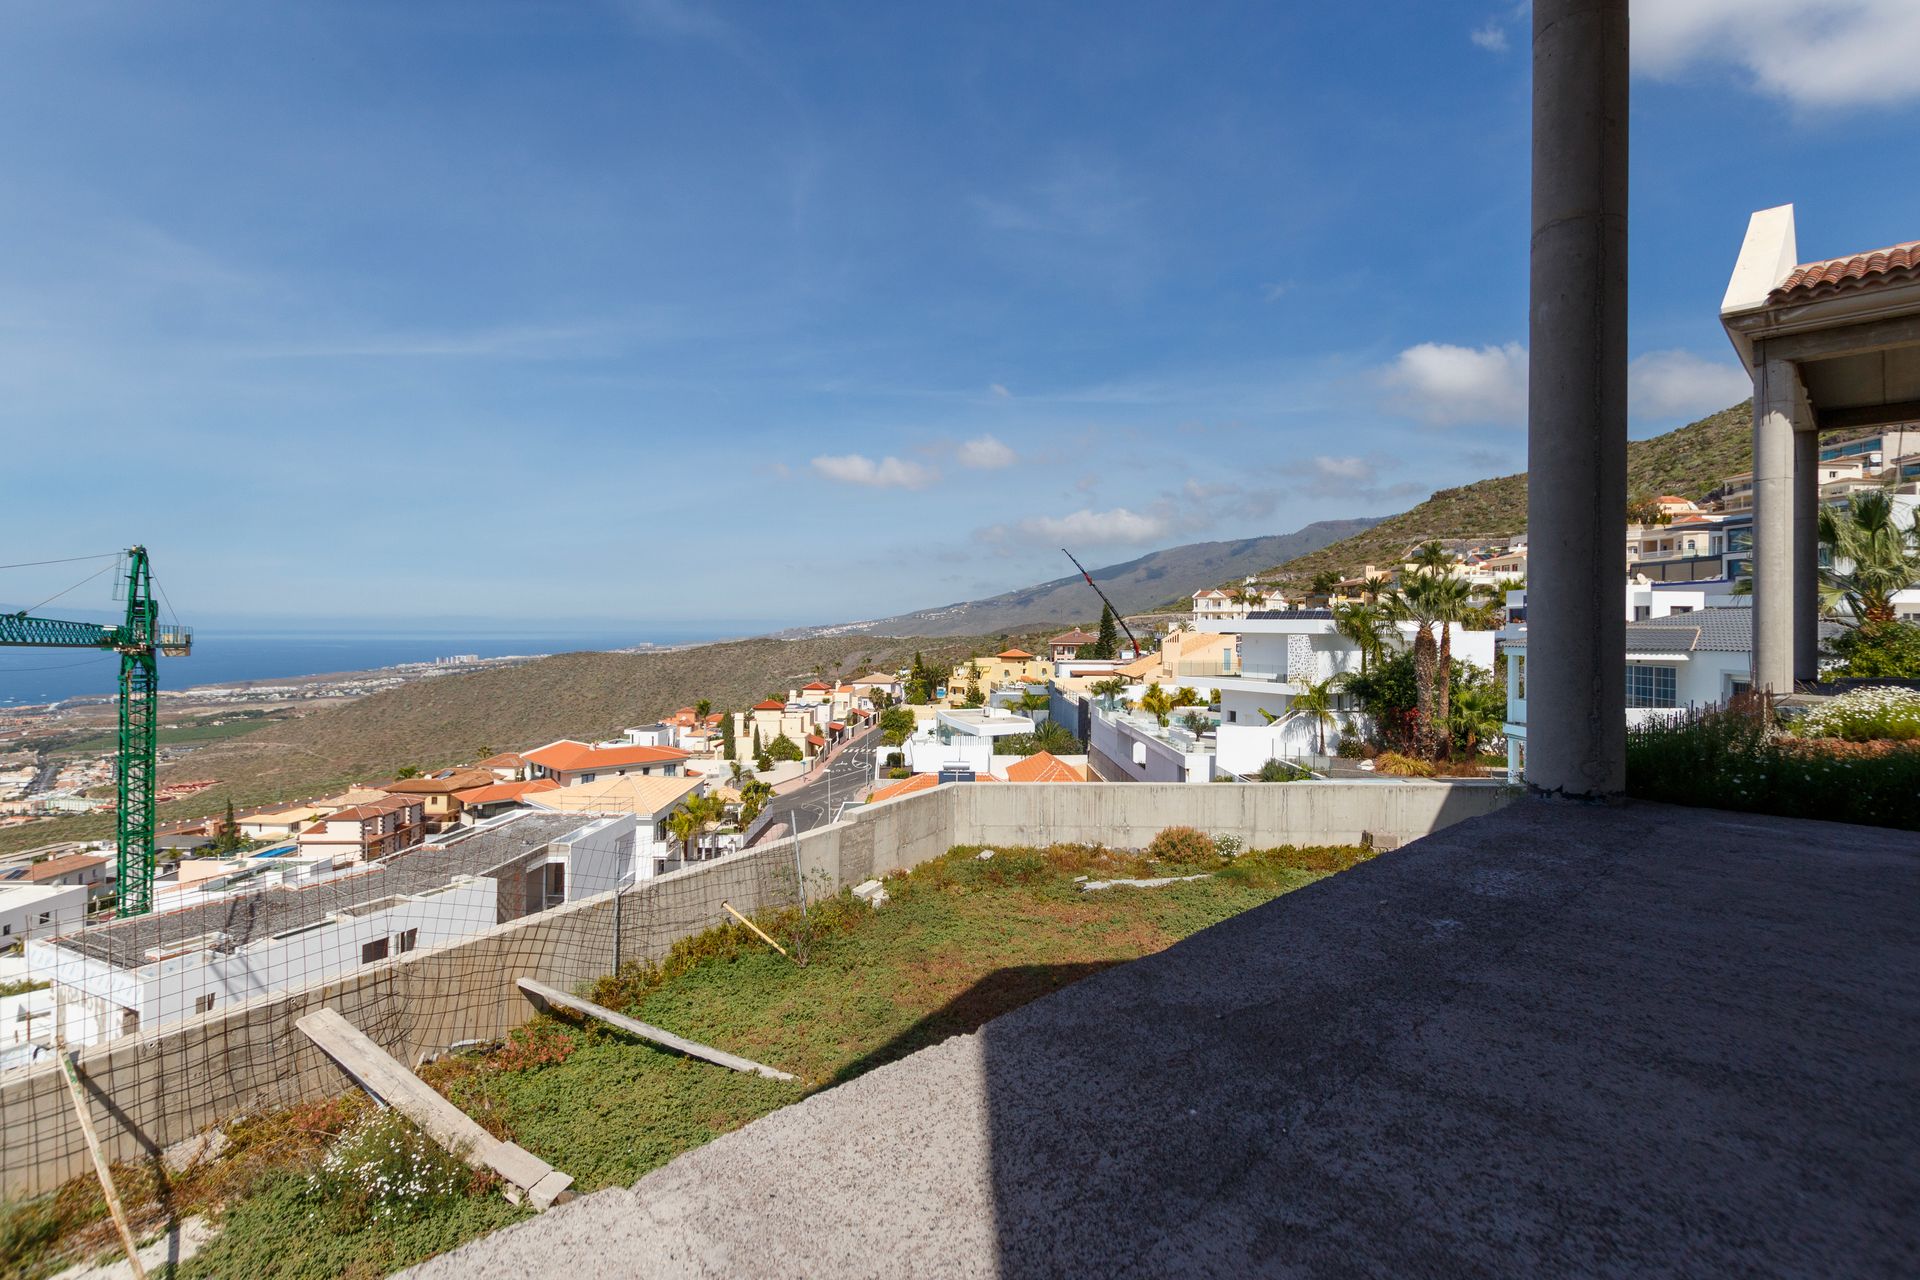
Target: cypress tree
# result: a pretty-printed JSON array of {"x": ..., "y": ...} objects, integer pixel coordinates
[
  {"x": 727, "y": 749},
  {"x": 1108, "y": 645}
]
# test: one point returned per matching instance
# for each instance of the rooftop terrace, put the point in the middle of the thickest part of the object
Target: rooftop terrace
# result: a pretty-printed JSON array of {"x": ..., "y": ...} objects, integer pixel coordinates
[
  {"x": 1632, "y": 1040},
  {"x": 244, "y": 916}
]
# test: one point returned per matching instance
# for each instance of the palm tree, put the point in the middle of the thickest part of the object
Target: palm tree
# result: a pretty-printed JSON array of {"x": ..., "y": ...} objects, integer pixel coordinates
[
  {"x": 1156, "y": 702},
  {"x": 1880, "y": 557},
  {"x": 1030, "y": 702},
  {"x": 1417, "y": 601},
  {"x": 1432, "y": 557},
  {"x": 1186, "y": 696},
  {"x": 1325, "y": 583},
  {"x": 1315, "y": 701},
  {"x": 1374, "y": 586},
  {"x": 1476, "y": 716},
  {"x": 1453, "y": 599},
  {"x": 1108, "y": 690},
  {"x": 695, "y": 817},
  {"x": 1367, "y": 625}
]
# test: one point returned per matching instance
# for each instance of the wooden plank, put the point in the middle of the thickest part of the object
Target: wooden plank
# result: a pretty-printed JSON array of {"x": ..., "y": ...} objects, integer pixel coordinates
[
  {"x": 545, "y": 997},
  {"x": 100, "y": 1166},
  {"x": 389, "y": 1081}
]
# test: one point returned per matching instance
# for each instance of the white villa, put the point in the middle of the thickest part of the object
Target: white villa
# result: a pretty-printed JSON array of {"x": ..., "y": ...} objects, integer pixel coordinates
[
  {"x": 1278, "y": 657},
  {"x": 1683, "y": 659},
  {"x": 961, "y": 739}
]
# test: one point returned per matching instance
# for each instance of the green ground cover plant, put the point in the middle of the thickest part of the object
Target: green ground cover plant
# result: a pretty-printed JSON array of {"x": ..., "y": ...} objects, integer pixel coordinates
[
  {"x": 334, "y": 1189},
  {"x": 1736, "y": 758}
]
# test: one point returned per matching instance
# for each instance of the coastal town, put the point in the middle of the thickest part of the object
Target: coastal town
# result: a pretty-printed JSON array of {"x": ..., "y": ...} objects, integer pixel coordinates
[{"x": 1456, "y": 816}]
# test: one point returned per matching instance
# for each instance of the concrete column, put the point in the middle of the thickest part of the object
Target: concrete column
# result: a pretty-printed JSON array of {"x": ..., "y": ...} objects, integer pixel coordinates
[
  {"x": 1775, "y": 392},
  {"x": 1577, "y": 401},
  {"x": 1806, "y": 551}
]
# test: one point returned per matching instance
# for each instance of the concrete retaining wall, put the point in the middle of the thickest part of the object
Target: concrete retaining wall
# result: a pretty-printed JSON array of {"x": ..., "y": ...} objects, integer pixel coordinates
[{"x": 154, "y": 1091}]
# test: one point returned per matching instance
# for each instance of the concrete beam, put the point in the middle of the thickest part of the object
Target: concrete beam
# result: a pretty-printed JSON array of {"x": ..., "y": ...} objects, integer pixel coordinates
[
  {"x": 1577, "y": 399},
  {"x": 1843, "y": 340}
]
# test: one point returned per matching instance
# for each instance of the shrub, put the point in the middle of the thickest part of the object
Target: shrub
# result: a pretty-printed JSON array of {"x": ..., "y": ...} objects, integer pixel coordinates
[
  {"x": 1403, "y": 766},
  {"x": 1879, "y": 651},
  {"x": 784, "y": 748},
  {"x": 1281, "y": 771},
  {"x": 1866, "y": 715},
  {"x": 383, "y": 1167},
  {"x": 899, "y": 771},
  {"x": 1351, "y": 747},
  {"x": 1184, "y": 846},
  {"x": 1730, "y": 758}
]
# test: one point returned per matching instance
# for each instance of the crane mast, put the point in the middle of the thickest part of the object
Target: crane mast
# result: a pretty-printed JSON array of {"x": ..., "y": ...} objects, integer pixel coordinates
[{"x": 140, "y": 640}]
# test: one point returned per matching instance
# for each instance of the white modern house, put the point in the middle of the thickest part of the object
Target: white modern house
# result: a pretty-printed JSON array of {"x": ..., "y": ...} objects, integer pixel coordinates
[
  {"x": 961, "y": 739},
  {"x": 1280, "y": 654},
  {"x": 40, "y": 911},
  {"x": 1133, "y": 746},
  {"x": 100, "y": 998},
  {"x": 1686, "y": 659}
]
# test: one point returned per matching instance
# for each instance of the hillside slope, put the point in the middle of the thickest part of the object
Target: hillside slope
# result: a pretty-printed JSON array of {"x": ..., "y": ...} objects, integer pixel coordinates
[
  {"x": 450, "y": 720},
  {"x": 1135, "y": 586},
  {"x": 1689, "y": 461}
]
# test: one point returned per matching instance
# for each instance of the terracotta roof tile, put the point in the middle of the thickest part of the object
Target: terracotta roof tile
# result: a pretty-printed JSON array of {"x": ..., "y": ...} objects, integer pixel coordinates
[
  {"x": 566, "y": 756},
  {"x": 1014, "y": 655},
  {"x": 1818, "y": 279},
  {"x": 1042, "y": 766},
  {"x": 504, "y": 791},
  {"x": 906, "y": 786},
  {"x": 61, "y": 866}
]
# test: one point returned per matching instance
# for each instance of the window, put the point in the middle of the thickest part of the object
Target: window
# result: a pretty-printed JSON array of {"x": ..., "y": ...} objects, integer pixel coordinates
[
  {"x": 404, "y": 942},
  {"x": 1680, "y": 609},
  {"x": 1520, "y": 675},
  {"x": 373, "y": 951},
  {"x": 203, "y": 1004},
  {"x": 1641, "y": 612},
  {"x": 45, "y": 916},
  {"x": 1651, "y": 686}
]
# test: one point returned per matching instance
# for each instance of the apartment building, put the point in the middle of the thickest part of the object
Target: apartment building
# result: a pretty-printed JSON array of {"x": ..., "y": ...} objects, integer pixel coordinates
[{"x": 367, "y": 832}]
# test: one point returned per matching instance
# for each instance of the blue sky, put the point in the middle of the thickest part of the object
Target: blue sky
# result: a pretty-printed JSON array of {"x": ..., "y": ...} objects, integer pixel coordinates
[{"x": 583, "y": 313}]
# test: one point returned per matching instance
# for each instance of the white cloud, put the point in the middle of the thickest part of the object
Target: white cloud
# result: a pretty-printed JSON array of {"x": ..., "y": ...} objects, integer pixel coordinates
[
  {"x": 1088, "y": 526},
  {"x": 999, "y": 391},
  {"x": 1276, "y": 290},
  {"x": 985, "y": 453},
  {"x": 887, "y": 473},
  {"x": 1680, "y": 384},
  {"x": 1811, "y": 53},
  {"x": 1443, "y": 383},
  {"x": 1358, "y": 470},
  {"x": 1492, "y": 37}
]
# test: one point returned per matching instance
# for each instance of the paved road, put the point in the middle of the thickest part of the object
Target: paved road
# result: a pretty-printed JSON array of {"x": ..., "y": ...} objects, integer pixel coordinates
[{"x": 849, "y": 777}]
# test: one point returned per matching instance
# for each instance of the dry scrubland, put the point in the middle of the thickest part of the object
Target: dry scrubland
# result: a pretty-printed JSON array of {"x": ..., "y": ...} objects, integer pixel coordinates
[
  {"x": 1690, "y": 462},
  {"x": 311, "y": 1192},
  {"x": 447, "y": 720}
]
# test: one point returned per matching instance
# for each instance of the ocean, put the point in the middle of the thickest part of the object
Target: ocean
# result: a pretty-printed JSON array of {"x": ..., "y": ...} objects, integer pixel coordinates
[{"x": 29, "y": 676}]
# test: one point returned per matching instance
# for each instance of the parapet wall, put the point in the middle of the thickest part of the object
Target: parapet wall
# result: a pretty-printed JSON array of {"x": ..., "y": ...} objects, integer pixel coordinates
[{"x": 150, "y": 1092}]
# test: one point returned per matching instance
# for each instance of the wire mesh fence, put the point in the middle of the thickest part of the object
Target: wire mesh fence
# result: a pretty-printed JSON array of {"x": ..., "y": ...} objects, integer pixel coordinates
[{"x": 186, "y": 1018}]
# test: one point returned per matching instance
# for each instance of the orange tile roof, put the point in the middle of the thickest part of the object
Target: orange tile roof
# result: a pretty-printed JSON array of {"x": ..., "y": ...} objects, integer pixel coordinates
[
  {"x": 61, "y": 866},
  {"x": 505, "y": 760},
  {"x": 906, "y": 786},
  {"x": 1074, "y": 637},
  {"x": 815, "y": 686},
  {"x": 504, "y": 791},
  {"x": 568, "y": 756},
  {"x": 375, "y": 809},
  {"x": 1835, "y": 275},
  {"x": 1013, "y": 655},
  {"x": 1042, "y": 766},
  {"x": 769, "y": 705}
]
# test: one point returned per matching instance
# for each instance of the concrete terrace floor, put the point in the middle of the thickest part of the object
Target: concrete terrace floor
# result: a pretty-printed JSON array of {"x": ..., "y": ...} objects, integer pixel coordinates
[{"x": 1556, "y": 1041}]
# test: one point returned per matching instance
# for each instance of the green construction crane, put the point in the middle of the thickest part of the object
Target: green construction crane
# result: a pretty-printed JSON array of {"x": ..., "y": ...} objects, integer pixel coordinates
[{"x": 140, "y": 641}]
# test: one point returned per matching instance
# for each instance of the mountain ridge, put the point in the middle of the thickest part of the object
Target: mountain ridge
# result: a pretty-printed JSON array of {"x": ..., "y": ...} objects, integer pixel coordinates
[{"x": 1139, "y": 585}]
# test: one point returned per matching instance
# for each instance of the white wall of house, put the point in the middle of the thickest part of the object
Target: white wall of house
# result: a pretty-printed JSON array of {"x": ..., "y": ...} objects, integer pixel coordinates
[
  {"x": 1144, "y": 755},
  {"x": 202, "y": 980},
  {"x": 961, "y": 739},
  {"x": 40, "y": 911},
  {"x": 599, "y": 856}
]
